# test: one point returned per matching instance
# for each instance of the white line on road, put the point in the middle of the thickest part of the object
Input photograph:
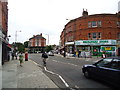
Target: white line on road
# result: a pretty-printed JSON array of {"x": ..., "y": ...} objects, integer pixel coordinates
[
  {"x": 53, "y": 73},
  {"x": 58, "y": 76},
  {"x": 66, "y": 63}
]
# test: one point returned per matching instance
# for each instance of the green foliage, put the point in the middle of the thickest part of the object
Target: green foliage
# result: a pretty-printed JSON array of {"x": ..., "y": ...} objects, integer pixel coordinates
[
  {"x": 19, "y": 46},
  {"x": 49, "y": 48},
  {"x": 26, "y": 44}
]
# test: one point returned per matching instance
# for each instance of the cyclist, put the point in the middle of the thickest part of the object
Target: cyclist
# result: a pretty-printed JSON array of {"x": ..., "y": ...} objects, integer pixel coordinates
[{"x": 44, "y": 56}]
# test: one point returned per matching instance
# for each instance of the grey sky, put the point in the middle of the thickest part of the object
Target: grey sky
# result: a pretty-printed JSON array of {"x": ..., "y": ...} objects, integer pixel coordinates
[{"x": 33, "y": 17}]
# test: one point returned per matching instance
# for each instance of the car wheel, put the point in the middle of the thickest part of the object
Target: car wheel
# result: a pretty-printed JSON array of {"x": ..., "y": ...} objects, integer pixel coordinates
[{"x": 86, "y": 74}]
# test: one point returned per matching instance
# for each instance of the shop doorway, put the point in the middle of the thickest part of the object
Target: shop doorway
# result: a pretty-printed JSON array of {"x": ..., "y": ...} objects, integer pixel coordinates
[{"x": 96, "y": 50}]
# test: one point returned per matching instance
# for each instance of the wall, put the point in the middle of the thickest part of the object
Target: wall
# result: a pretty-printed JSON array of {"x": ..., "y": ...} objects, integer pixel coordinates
[{"x": 79, "y": 27}]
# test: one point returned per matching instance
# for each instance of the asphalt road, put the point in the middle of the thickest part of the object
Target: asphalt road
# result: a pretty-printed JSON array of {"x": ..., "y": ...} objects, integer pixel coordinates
[{"x": 70, "y": 71}]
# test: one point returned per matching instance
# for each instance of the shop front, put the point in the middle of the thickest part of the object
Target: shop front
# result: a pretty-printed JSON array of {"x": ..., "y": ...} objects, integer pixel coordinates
[
  {"x": 70, "y": 47},
  {"x": 97, "y": 47}
]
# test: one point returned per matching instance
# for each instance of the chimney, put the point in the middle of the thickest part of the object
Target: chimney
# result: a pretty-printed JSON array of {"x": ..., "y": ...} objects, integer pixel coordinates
[
  {"x": 85, "y": 13},
  {"x": 41, "y": 34}
]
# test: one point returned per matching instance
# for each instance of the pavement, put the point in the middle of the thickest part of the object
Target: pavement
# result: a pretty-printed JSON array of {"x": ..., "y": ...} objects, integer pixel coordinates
[{"x": 27, "y": 76}]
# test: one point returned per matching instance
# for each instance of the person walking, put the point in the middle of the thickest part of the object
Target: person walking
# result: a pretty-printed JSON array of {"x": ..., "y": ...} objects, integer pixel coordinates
[
  {"x": 26, "y": 56},
  {"x": 13, "y": 55},
  {"x": 44, "y": 56},
  {"x": 21, "y": 59},
  {"x": 79, "y": 53},
  {"x": 16, "y": 55}
]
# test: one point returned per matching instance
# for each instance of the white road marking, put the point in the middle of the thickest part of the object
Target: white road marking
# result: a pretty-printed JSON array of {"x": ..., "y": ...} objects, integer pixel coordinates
[
  {"x": 58, "y": 76},
  {"x": 66, "y": 63},
  {"x": 53, "y": 73}
]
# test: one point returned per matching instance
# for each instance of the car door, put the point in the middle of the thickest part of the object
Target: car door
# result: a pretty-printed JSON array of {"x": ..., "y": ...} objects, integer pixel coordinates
[
  {"x": 102, "y": 69},
  {"x": 114, "y": 72}
]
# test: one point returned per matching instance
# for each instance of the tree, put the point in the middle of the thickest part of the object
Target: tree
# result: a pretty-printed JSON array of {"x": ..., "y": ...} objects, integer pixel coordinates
[
  {"x": 48, "y": 48},
  {"x": 18, "y": 46},
  {"x": 26, "y": 44}
]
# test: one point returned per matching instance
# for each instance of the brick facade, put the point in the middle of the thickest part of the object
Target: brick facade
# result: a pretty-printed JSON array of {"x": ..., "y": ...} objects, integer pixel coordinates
[
  {"x": 78, "y": 28},
  {"x": 92, "y": 27},
  {"x": 37, "y": 43},
  {"x": 3, "y": 31}
]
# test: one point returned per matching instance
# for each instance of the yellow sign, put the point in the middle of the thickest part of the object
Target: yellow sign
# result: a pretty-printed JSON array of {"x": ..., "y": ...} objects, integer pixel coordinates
[{"x": 108, "y": 48}]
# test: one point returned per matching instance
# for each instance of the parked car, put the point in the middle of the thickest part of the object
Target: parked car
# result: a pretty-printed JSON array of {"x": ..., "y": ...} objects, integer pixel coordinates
[
  {"x": 107, "y": 70},
  {"x": 50, "y": 53}
]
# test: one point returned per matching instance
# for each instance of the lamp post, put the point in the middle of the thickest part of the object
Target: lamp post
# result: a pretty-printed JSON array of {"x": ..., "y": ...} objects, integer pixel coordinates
[
  {"x": 16, "y": 35},
  {"x": 48, "y": 38}
]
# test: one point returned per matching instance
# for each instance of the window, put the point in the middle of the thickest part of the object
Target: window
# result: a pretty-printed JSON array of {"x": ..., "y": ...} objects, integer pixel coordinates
[
  {"x": 118, "y": 24},
  {"x": 99, "y": 35},
  {"x": 118, "y": 35},
  {"x": 89, "y": 35},
  {"x": 39, "y": 42},
  {"x": 35, "y": 42},
  {"x": 99, "y": 23},
  {"x": 115, "y": 64},
  {"x": 94, "y": 24},
  {"x": 94, "y": 35},
  {"x": 89, "y": 24},
  {"x": 104, "y": 63}
]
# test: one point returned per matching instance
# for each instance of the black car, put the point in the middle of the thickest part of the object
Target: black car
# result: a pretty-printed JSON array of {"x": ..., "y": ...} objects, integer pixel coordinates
[{"x": 107, "y": 69}]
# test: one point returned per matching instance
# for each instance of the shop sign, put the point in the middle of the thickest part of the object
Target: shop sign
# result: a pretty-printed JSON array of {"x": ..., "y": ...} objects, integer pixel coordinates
[
  {"x": 95, "y": 42},
  {"x": 108, "y": 48}
]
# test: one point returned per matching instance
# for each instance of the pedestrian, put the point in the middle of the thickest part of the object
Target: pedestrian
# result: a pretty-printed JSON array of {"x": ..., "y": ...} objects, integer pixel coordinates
[
  {"x": 76, "y": 53},
  {"x": 26, "y": 56},
  {"x": 12, "y": 55},
  {"x": 21, "y": 59},
  {"x": 44, "y": 56},
  {"x": 16, "y": 55},
  {"x": 104, "y": 55},
  {"x": 79, "y": 53}
]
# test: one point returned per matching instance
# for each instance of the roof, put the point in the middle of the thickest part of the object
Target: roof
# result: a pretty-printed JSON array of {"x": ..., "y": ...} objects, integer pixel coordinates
[{"x": 37, "y": 36}]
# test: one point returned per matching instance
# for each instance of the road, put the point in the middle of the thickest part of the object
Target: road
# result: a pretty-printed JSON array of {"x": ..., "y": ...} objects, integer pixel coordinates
[{"x": 67, "y": 72}]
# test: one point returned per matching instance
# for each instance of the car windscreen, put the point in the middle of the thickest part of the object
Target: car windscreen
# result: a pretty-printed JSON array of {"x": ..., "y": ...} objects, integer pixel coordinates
[{"x": 104, "y": 62}]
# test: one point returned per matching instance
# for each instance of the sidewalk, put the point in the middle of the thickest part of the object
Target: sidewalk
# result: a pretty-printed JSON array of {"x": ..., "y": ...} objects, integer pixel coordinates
[{"x": 28, "y": 76}]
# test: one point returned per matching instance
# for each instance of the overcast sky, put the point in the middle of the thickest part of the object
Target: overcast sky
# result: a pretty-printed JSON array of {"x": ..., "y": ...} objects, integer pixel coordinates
[{"x": 48, "y": 17}]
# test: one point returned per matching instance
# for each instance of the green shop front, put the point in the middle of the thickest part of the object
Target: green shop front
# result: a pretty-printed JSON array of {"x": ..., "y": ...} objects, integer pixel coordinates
[{"x": 97, "y": 47}]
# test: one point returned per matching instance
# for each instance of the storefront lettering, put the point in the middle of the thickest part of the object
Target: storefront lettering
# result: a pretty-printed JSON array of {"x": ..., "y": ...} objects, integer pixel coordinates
[
  {"x": 90, "y": 41},
  {"x": 95, "y": 42},
  {"x": 104, "y": 41}
]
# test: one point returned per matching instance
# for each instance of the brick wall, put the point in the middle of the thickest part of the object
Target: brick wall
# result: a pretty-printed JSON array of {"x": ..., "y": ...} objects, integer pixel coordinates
[{"x": 78, "y": 28}]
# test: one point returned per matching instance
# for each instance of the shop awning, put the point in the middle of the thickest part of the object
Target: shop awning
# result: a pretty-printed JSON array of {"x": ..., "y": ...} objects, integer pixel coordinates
[{"x": 69, "y": 43}]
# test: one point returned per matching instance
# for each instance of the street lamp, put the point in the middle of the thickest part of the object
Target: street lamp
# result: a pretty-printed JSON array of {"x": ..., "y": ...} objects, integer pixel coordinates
[
  {"x": 16, "y": 35},
  {"x": 48, "y": 38}
]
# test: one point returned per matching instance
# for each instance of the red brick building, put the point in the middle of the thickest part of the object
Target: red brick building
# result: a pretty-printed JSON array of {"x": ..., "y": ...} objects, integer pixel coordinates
[
  {"x": 4, "y": 42},
  {"x": 37, "y": 44},
  {"x": 92, "y": 29}
]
